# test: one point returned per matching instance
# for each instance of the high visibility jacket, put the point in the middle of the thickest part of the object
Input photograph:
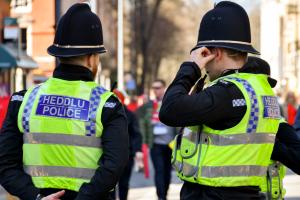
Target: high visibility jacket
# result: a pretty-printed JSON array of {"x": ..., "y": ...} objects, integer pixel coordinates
[
  {"x": 238, "y": 156},
  {"x": 61, "y": 125}
]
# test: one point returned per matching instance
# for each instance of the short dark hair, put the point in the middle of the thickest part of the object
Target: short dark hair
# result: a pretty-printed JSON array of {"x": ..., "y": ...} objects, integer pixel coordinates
[
  {"x": 73, "y": 59},
  {"x": 232, "y": 53},
  {"x": 235, "y": 54},
  {"x": 161, "y": 81}
]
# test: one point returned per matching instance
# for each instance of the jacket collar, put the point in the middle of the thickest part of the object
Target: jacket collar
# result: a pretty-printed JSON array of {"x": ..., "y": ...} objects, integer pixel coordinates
[
  {"x": 72, "y": 73},
  {"x": 253, "y": 68}
]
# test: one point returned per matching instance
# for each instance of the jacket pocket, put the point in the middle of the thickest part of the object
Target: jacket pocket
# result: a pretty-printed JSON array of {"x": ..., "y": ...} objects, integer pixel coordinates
[
  {"x": 189, "y": 143},
  {"x": 190, "y": 151}
]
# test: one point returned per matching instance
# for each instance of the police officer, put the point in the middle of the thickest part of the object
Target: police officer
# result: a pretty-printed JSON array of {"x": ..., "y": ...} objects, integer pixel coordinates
[
  {"x": 66, "y": 138},
  {"x": 232, "y": 124}
]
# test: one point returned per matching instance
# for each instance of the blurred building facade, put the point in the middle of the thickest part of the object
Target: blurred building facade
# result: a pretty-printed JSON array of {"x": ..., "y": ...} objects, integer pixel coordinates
[
  {"x": 280, "y": 41},
  {"x": 4, "y": 12},
  {"x": 4, "y": 74},
  {"x": 15, "y": 64},
  {"x": 37, "y": 20},
  {"x": 37, "y": 24}
]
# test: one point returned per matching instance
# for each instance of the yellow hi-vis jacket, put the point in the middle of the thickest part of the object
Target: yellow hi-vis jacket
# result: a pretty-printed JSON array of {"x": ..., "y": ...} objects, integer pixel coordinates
[
  {"x": 238, "y": 156},
  {"x": 61, "y": 125}
]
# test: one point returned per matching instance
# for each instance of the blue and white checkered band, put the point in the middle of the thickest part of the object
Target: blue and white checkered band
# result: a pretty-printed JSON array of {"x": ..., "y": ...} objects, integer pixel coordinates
[
  {"x": 28, "y": 109},
  {"x": 95, "y": 99},
  {"x": 254, "y": 110}
]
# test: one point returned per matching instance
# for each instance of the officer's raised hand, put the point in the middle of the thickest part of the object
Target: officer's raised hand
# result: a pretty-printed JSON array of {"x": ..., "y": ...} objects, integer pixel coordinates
[{"x": 202, "y": 56}]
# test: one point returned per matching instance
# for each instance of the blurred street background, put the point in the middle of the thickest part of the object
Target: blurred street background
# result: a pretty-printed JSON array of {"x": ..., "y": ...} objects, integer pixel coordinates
[{"x": 156, "y": 37}]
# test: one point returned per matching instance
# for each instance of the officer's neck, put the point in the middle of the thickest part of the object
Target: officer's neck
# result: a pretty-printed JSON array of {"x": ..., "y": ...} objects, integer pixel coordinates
[
  {"x": 229, "y": 63},
  {"x": 78, "y": 63},
  {"x": 82, "y": 63}
]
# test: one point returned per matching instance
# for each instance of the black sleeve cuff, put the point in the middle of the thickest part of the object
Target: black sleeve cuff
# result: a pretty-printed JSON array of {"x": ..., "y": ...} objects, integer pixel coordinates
[
  {"x": 31, "y": 193},
  {"x": 192, "y": 69}
]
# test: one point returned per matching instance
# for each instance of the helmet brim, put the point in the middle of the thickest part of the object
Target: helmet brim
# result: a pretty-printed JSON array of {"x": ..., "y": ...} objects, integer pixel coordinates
[
  {"x": 71, "y": 52},
  {"x": 238, "y": 47}
]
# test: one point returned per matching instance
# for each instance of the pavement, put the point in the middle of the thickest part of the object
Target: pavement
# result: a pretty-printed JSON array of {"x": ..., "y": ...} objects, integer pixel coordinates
[{"x": 292, "y": 184}]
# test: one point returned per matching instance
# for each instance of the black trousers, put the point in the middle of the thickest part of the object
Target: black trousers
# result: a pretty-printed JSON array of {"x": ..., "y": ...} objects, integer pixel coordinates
[
  {"x": 161, "y": 159},
  {"x": 124, "y": 180},
  {"x": 193, "y": 191}
]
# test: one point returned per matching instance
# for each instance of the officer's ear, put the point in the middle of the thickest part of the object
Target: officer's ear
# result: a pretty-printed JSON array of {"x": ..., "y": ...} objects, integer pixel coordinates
[
  {"x": 92, "y": 60},
  {"x": 89, "y": 60},
  {"x": 219, "y": 54}
]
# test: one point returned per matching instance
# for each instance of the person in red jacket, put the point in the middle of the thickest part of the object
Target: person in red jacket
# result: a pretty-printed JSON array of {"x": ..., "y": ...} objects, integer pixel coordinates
[
  {"x": 3, "y": 108},
  {"x": 290, "y": 107}
]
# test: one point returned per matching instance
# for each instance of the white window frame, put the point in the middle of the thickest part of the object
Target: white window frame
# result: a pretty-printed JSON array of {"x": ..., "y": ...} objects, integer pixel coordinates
[{"x": 21, "y": 9}]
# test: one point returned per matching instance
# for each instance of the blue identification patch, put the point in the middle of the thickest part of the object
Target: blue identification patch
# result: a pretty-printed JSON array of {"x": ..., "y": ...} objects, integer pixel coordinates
[
  {"x": 63, "y": 107},
  {"x": 271, "y": 107}
]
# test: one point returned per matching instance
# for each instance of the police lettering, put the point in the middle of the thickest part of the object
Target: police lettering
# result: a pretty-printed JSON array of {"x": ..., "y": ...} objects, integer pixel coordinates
[
  {"x": 63, "y": 101},
  {"x": 273, "y": 112},
  {"x": 271, "y": 107},
  {"x": 270, "y": 101},
  {"x": 61, "y": 112},
  {"x": 63, "y": 107}
]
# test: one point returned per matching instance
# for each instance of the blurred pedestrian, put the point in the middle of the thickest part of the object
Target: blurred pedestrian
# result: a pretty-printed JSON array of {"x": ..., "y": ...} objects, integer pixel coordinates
[
  {"x": 4, "y": 100},
  {"x": 133, "y": 104},
  {"x": 157, "y": 136},
  {"x": 66, "y": 138},
  {"x": 297, "y": 122},
  {"x": 135, "y": 147},
  {"x": 233, "y": 122},
  {"x": 290, "y": 107}
]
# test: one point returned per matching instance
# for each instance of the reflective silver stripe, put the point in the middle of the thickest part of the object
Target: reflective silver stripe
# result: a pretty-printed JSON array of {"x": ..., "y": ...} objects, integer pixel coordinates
[
  {"x": 65, "y": 139},
  {"x": 224, "y": 41},
  {"x": 58, "y": 171},
  {"x": 224, "y": 171},
  {"x": 228, "y": 171},
  {"x": 78, "y": 46},
  {"x": 235, "y": 139}
]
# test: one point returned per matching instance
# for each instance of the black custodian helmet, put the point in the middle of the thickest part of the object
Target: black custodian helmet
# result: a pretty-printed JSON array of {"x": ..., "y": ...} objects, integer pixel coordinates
[
  {"x": 227, "y": 26},
  {"x": 79, "y": 32}
]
